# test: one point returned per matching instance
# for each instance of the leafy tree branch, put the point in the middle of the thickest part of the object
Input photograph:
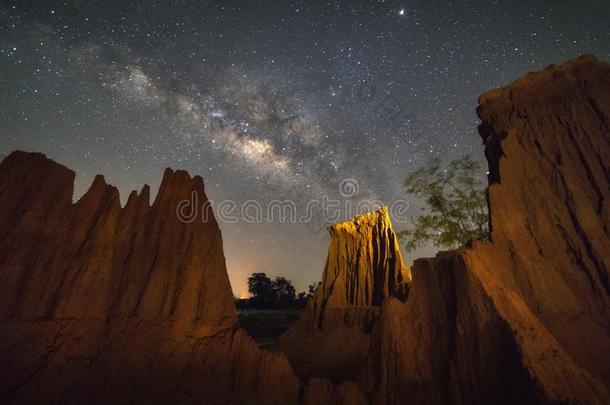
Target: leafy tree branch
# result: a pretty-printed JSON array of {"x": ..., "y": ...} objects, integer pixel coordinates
[{"x": 455, "y": 209}]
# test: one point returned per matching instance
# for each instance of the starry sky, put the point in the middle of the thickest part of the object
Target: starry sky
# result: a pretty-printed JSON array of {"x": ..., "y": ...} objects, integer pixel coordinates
[{"x": 271, "y": 100}]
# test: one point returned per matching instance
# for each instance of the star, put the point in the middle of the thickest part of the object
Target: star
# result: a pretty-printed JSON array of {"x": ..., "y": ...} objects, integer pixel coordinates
[{"x": 249, "y": 95}]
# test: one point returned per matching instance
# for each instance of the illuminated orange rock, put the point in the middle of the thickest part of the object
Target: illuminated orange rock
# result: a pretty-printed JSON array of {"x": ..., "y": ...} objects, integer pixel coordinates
[
  {"x": 106, "y": 304},
  {"x": 363, "y": 268}
]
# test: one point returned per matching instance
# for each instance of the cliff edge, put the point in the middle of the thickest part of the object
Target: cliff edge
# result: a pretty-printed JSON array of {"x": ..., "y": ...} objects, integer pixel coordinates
[
  {"x": 108, "y": 304},
  {"x": 523, "y": 318}
]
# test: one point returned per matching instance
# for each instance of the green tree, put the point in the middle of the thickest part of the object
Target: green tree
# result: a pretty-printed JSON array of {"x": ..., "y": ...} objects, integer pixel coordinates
[{"x": 455, "y": 209}]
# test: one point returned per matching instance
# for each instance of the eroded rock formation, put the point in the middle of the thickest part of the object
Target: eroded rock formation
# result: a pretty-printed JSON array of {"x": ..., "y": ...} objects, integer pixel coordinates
[
  {"x": 363, "y": 268},
  {"x": 106, "y": 304},
  {"x": 525, "y": 317}
]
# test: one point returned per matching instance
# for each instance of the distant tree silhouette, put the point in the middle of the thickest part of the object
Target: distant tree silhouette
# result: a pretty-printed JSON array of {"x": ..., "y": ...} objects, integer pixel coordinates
[
  {"x": 277, "y": 293},
  {"x": 304, "y": 296},
  {"x": 312, "y": 289},
  {"x": 261, "y": 289},
  {"x": 283, "y": 291}
]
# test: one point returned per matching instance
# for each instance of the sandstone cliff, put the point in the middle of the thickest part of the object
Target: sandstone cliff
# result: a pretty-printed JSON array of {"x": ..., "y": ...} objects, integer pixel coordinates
[
  {"x": 363, "y": 268},
  {"x": 525, "y": 317},
  {"x": 104, "y": 304}
]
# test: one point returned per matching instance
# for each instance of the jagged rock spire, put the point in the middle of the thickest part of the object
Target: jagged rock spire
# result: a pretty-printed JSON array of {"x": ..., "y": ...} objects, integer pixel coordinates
[
  {"x": 364, "y": 267},
  {"x": 104, "y": 304}
]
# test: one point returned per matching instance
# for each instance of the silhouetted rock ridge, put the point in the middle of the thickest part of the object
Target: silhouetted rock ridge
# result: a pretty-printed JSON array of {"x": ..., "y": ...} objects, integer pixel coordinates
[{"x": 104, "y": 304}]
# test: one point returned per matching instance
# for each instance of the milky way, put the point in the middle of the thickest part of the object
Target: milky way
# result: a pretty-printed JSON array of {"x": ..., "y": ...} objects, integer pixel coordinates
[{"x": 270, "y": 100}]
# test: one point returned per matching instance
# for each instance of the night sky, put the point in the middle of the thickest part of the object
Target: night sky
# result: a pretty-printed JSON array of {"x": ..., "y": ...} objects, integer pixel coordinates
[{"x": 271, "y": 100}]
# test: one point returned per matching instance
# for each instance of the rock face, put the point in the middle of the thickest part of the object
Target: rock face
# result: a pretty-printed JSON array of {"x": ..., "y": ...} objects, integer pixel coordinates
[
  {"x": 363, "y": 268},
  {"x": 525, "y": 317},
  {"x": 102, "y": 304}
]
